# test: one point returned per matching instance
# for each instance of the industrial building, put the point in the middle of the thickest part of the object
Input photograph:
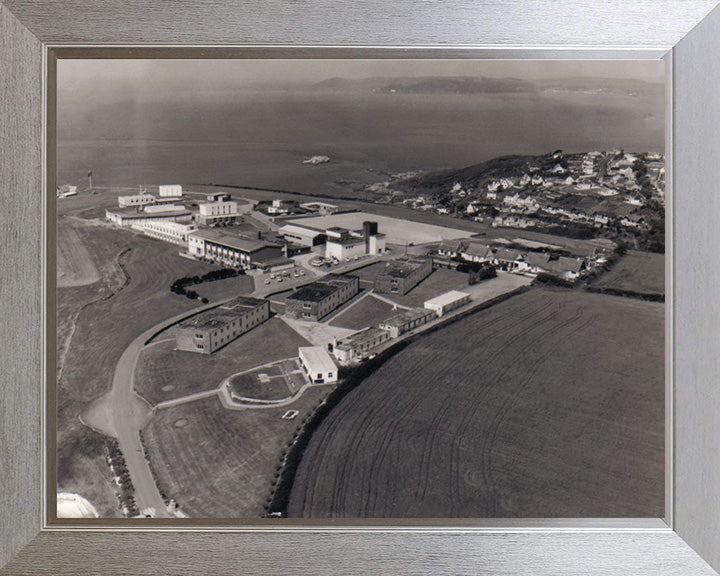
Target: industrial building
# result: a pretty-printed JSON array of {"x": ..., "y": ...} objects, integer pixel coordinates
[
  {"x": 135, "y": 200},
  {"x": 127, "y": 217},
  {"x": 302, "y": 235},
  {"x": 317, "y": 299},
  {"x": 407, "y": 320},
  {"x": 321, "y": 208},
  {"x": 401, "y": 276},
  {"x": 318, "y": 365},
  {"x": 232, "y": 249},
  {"x": 446, "y": 302},
  {"x": 359, "y": 345},
  {"x": 211, "y": 330},
  {"x": 170, "y": 191},
  {"x": 218, "y": 197},
  {"x": 221, "y": 212},
  {"x": 343, "y": 244},
  {"x": 173, "y": 232}
]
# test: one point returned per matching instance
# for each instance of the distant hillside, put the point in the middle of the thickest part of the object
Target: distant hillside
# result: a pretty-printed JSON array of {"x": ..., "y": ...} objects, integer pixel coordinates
[{"x": 478, "y": 175}]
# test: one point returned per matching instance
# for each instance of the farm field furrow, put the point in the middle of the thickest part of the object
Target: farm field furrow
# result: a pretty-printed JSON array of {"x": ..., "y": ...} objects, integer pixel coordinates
[
  {"x": 549, "y": 404},
  {"x": 641, "y": 272}
]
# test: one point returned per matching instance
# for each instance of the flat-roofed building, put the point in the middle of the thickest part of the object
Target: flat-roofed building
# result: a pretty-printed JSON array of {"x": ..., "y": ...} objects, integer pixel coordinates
[
  {"x": 211, "y": 330},
  {"x": 302, "y": 235},
  {"x": 402, "y": 275},
  {"x": 135, "y": 200},
  {"x": 170, "y": 190},
  {"x": 359, "y": 345},
  {"x": 218, "y": 197},
  {"x": 446, "y": 302},
  {"x": 173, "y": 232},
  {"x": 231, "y": 249},
  {"x": 407, "y": 320},
  {"x": 221, "y": 212},
  {"x": 133, "y": 216},
  {"x": 343, "y": 244},
  {"x": 320, "y": 207},
  {"x": 318, "y": 364},
  {"x": 317, "y": 299}
]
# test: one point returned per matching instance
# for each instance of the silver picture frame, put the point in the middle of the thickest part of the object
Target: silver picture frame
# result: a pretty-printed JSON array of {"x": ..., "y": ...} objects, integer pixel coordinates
[{"x": 682, "y": 32}]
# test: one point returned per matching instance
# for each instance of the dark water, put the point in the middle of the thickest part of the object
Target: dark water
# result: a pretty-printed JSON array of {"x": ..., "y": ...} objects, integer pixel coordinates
[{"x": 260, "y": 139}]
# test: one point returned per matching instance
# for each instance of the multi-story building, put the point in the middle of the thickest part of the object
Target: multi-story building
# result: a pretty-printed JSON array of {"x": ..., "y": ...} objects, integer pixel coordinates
[
  {"x": 173, "y": 232},
  {"x": 135, "y": 200},
  {"x": 447, "y": 302},
  {"x": 318, "y": 364},
  {"x": 211, "y": 330},
  {"x": 359, "y": 345},
  {"x": 170, "y": 191},
  {"x": 401, "y": 276},
  {"x": 406, "y": 321},
  {"x": 232, "y": 249},
  {"x": 133, "y": 217},
  {"x": 221, "y": 212},
  {"x": 317, "y": 299},
  {"x": 344, "y": 244}
]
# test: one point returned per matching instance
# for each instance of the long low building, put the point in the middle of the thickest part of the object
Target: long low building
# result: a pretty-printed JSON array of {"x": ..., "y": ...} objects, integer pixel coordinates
[
  {"x": 447, "y": 302},
  {"x": 406, "y": 321},
  {"x": 173, "y": 232},
  {"x": 232, "y": 249},
  {"x": 134, "y": 200},
  {"x": 211, "y": 330},
  {"x": 317, "y": 299},
  {"x": 358, "y": 346},
  {"x": 401, "y": 276},
  {"x": 302, "y": 235},
  {"x": 318, "y": 364},
  {"x": 127, "y": 217}
]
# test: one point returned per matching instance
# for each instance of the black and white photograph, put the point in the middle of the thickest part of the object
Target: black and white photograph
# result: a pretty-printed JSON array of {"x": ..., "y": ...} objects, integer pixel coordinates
[{"x": 359, "y": 289}]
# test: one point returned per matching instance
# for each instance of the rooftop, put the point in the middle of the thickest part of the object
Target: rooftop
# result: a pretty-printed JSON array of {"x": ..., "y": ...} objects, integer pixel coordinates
[
  {"x": 405, "y": 317},
  {"x": 299, "y": 229},
  {"x": 223, "y": 314},
  {"x": 447, "y": 298},
  {"x": 401, "y": 268},
  {"x": 359, "y": 338},
  {"x": 313, "y": 292},
  {"x": 231, "y": 240},
  {"x": 131, "y": 212},
  {"x": 318, "y": 359}
]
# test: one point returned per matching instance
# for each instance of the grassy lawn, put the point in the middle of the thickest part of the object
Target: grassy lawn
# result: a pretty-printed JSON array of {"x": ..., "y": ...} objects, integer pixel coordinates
[
  {"x": 269, "y": 383},
  {"x": 550, "y": 404},
  {"x": 222, "y": 289},
  {"x": 163, "y": 373},
  {"x": 368, "y": 312},
  {"x": 219, "y": 463},
  {"x": 642, "y": 272}
]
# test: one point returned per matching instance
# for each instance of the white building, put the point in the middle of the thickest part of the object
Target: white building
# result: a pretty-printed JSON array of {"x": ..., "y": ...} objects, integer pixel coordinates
[
  {"x": 302, "y": 235},
  {"x": 217, "y": 212},
  {"x": 170, "y": 190},
  {"x": 345, "y": 244},
  {"x": 318, "y": 364},
  {"x": 135, "y": 200},
  {"x": 446, "y": 302},
  {"x": 132, "y": 217},
  {"x": 173, "y": 232}
]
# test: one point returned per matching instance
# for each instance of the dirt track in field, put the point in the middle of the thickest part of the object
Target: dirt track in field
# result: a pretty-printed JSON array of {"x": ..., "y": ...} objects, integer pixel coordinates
[{"x": 550, "y": 404}]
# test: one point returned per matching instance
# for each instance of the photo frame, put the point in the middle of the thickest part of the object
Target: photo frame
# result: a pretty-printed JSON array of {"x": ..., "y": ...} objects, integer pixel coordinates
[{"x": 685, "y": 543}]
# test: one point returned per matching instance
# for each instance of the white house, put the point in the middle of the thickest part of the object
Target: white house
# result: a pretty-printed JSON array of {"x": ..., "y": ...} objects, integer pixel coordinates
[{"x": 318, "y": 364}]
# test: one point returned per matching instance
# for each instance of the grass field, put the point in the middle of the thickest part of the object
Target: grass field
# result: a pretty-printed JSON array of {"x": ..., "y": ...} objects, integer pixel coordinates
[
  {"x": 271, "y": 382},
  {"x": 641, "y": 272},
  {"x": 75, "y": 266},
  {"x": 226, "y": 288},
  {"x": 95, "y": 324},
  {"x": 367, "y": 312},
  {"x": 163, "y": 373},
  {"x": 219, "y": 463},
  {"x": 550, "y": 404}
]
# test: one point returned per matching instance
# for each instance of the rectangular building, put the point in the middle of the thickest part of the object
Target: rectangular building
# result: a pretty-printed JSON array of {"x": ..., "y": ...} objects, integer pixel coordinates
[
  {"x": 401, "y": 276},
  {"x": 211, "y": 330},
  {"x": 173, "y": 232},
  {"x": 358, "y": 346},
  {"x": 318, "y": 365},
  {"x": 302, "y": 235},
  {"x": 170, "y": 191},
  {"x": 446, "y": 302},
  {"x": 317, "y": 299},
  {"x": 406, "y": 321},
  {"x": 135, "y": 200},
  {"x": 343, "y": 244},
  {"x": 221, "y": 212},
  {"x": 127, "y": 217},
  {"x": 231, "y": 249}
]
